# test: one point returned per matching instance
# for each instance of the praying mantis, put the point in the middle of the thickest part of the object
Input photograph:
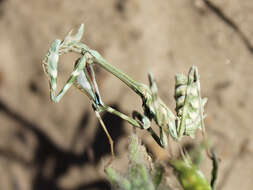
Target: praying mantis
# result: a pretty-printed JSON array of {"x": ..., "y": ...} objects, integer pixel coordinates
[{"x": 189, "y": 104}]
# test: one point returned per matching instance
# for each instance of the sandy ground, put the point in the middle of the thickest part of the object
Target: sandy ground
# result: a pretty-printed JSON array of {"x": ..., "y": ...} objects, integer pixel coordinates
[{"x": 60, "y": 146}]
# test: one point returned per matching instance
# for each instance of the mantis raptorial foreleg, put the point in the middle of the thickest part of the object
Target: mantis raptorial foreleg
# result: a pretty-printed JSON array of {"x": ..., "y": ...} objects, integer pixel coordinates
[
  {"x": 83, "y": 77},
  {"x": 50, "y": 66}
]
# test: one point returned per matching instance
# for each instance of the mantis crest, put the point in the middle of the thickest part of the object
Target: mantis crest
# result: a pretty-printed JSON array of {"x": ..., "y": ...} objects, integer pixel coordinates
[{"x": 189, "y": 104}]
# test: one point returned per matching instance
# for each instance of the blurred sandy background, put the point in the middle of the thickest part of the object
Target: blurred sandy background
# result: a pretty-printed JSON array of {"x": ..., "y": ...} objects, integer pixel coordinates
[{"x": 61, "y": 146}]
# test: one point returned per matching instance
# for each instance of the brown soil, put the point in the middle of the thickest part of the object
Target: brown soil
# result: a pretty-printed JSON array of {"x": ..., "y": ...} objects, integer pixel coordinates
[{"x": 61, "y": 146}]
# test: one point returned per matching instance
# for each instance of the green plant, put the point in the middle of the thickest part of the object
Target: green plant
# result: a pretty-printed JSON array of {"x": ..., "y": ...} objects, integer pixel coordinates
[{"x": 142, "y": 173}]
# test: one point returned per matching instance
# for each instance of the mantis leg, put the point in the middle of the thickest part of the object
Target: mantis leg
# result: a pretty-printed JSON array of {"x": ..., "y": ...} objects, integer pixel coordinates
[
  {"x": 106, "y": 132},
  {"x": 50, "y": 65},
  {"x": 90, "y": 72},
  {"x": 144, "y": 122},
  {"x": 86, "y": 82},
  {"x": 194, "y": 76},
  {"x": 159, "y": 116},
  {"x": 130, "y": 120},
  {"x": 73, "y": 77}
]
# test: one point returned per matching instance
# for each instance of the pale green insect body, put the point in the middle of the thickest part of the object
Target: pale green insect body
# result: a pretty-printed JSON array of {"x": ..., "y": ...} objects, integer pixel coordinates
[{"x": 188, "y": 103}]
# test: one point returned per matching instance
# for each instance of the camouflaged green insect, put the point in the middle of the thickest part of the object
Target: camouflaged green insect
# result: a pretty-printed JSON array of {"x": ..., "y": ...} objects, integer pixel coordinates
[{"x": 190, "y": 105}]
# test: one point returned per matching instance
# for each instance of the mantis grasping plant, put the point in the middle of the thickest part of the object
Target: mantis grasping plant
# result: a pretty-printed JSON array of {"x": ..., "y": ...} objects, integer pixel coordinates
[{"x": 189, "y": 104}]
